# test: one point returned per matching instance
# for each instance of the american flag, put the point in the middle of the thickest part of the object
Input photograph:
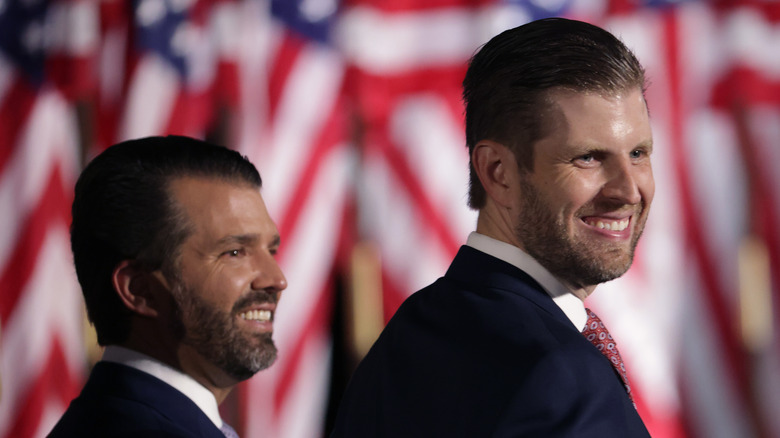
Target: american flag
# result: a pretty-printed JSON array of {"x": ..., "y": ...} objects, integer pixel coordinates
[
  {"x": 295, "y": 128},
  {"x": 165, "y": 67},
  {"x": 352, "y": 113},
  {"x": 42, "y": 351}
]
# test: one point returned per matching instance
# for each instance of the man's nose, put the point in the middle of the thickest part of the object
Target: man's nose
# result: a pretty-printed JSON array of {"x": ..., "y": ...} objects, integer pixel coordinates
[
  {"x": 621, "y": 184},
  {"x": 269, "y": 275}
]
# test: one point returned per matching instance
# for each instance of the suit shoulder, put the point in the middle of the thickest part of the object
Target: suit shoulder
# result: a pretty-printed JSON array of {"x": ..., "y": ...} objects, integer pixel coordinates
[
  {"x": 119, "y": 401},
  {"x": 112, "y": 416},
  {"x": 449, "y": 308}
]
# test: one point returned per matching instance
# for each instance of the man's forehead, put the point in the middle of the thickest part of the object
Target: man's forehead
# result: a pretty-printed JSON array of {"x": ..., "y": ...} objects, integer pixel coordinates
[
  {"x": 586, "y": 119},
  {"x": 562, "y": 103},
  {"x": 556, "y": 93},
  {"x": 182, "y": 182},
  {"x": 220, "y": 205}
]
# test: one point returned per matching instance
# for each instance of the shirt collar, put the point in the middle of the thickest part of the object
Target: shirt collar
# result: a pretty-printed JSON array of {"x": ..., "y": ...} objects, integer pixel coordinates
[
  {"x": 185, "y": 384},
  {"x": 572, "y": 306}
]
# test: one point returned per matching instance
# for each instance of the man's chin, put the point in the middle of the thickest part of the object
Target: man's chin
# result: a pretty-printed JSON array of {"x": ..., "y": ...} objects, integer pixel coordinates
[
  {"x": 263, "y": 358},
  {"x": 605, "y": 272},
  {"x": 246, "y": 371},
  {"x": 255, "y": 355}
]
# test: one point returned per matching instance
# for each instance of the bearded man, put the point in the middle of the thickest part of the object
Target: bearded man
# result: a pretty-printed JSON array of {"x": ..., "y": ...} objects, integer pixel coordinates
[
  {"x": 175, "y": 253},
  {"x": 502, "y": 346}
]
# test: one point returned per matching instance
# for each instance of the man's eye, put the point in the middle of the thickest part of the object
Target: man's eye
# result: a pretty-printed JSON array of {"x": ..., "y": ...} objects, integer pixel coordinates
[
  {"x": 637, "y": 153},
  {"x": 587, "y": 158},
  {"x": 234, "y": 252}
]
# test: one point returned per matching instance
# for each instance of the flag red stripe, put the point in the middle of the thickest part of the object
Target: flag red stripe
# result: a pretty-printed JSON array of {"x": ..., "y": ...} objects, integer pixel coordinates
[
  {"x": 74, "y": 77},
  {"x": 191, "y": 112},
  {"x": 411, "y": 184},
  {"x": 411, "y": 6},
  {"x": 770, "y": 9},
  {"x": 54, "y": 383},
  {"x": 744, "y": 85},
  {"x": 14, "y": 112},
  {"x": 331, "y": 135},
  {"x": 657, "y": 425},
  {"x": 316, "y": 324},
  {"x": 287, "y": 54},
  {"x": 377, "y": 95},
  {"x": 228, "y": 84},
  {"x": 696, "y": 240},
  {"x": 53, "y": 209}
]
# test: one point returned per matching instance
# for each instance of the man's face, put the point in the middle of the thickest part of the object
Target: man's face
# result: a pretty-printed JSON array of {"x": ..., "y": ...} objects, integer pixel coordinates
[
  {"x": 585, "y": 204},
  {"x": 229, "y": 282}
]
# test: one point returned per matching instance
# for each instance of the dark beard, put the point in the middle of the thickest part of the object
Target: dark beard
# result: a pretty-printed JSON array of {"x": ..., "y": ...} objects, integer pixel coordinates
[
  {"x": 576, "y": 262},
  {"x": 215, "y": 336}
]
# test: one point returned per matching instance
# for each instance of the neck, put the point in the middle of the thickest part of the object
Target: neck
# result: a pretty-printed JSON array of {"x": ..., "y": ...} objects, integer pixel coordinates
[
  {"x": 580, "y": 292},
  {"x": 492, "y": 223},
  {"x": 206, "y": 373},
  {"x": 495, "y": 223},
  {"x": 186, "y": 360}
]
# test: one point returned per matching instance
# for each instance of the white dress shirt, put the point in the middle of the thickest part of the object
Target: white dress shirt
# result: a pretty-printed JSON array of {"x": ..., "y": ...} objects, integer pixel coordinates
[
  {"x": 185, "y": 384},
  {"x": 572, "y": 306}
]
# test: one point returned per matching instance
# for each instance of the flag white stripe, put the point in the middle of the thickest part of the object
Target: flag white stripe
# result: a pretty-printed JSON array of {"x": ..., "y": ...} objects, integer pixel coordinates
[
  {"x": 304, "y": 263},
  {"x": 46, "y": 141},
  {"x": 304, "y": 410},
  {"x": 390, "y": 219},
  {"x": 712, "y": 399},
  {"x": 391, "y": 43},
  {"x": 49, "y": 308},
  {"x": 426, "y": 131},
  {"x": 315, "y": 240},
  {"x": 310, "y": 93},
  {"x": 748, "y": 38},
  {"x": 151, "y": 97}
]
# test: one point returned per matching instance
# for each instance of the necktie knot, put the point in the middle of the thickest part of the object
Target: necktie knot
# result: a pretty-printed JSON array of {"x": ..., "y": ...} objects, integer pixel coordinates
[{"x": 598, "y": 335}]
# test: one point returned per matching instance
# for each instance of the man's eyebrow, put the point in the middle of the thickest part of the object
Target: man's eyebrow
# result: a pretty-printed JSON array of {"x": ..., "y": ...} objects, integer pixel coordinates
[
  {"x": 247, "y": 239},
  {"x": 244, "y": 239}
]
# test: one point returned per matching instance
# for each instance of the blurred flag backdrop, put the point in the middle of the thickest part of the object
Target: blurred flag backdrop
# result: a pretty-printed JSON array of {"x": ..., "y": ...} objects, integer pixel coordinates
[{"x": 352, "y": 113}]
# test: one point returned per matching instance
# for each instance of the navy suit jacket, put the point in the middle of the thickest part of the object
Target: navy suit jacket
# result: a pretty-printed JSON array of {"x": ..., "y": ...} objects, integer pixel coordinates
[
  {"x": 120, "y": 401},
  {"x": 484, "y": 352}
]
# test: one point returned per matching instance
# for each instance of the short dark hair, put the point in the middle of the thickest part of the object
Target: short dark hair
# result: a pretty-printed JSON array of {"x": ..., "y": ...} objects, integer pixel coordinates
[
  {"x": 122, "y": 210},
  {"x": 508, "y": 82}
]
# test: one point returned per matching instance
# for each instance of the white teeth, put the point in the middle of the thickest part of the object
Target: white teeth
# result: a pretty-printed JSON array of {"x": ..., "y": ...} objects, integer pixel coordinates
[
  {"x": 612, "y": 226},
  {"x": 256, "y": 315}
]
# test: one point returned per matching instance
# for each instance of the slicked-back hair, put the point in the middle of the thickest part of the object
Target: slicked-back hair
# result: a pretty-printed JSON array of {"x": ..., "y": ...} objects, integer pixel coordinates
[
  {"x": 509, "y": 79},
  {"x": 123, "y": 210}
]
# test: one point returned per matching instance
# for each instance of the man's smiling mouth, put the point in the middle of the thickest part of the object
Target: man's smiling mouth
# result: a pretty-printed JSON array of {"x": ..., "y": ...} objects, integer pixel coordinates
[
  {"x": 256, "y": 315},
  {"x": 612, "y": 225}
]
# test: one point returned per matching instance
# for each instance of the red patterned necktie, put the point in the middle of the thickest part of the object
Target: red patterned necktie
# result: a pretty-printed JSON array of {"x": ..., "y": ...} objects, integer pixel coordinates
[{"x": 597, "y": 334}]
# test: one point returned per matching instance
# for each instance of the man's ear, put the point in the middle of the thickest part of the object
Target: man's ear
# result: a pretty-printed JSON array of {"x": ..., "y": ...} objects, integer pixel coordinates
[
  {"x": 496, "y": 168},
  {"x": 136, "y": 288}
]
